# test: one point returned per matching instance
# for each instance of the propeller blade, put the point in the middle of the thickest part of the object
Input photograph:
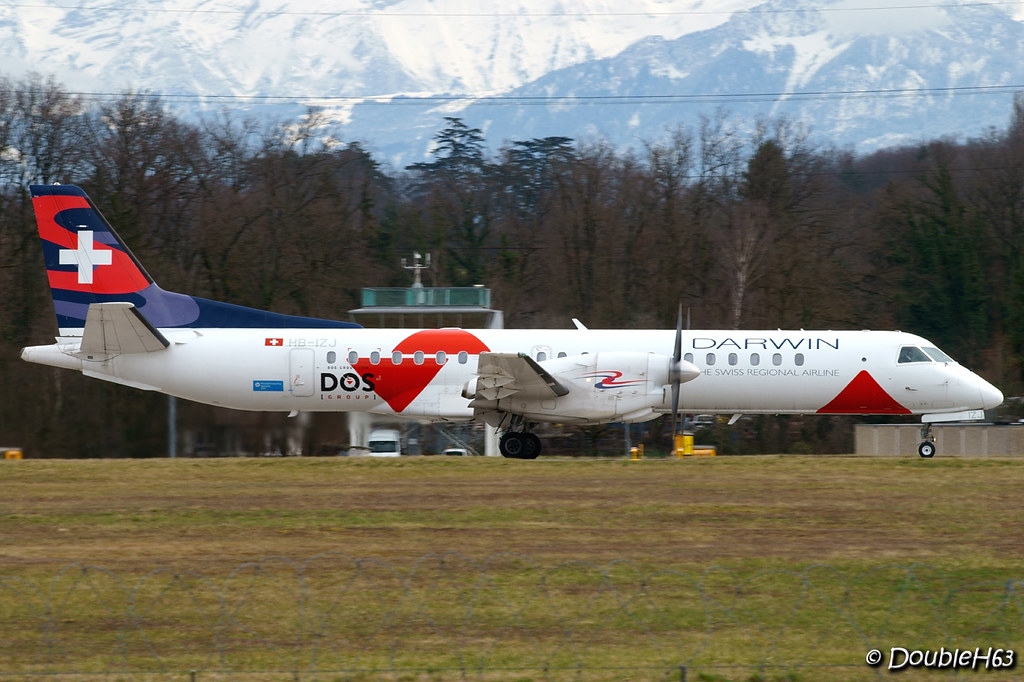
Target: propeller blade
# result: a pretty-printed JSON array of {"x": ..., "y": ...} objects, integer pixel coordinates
[
  {"x": 675, "y": 409},
  {"x": 677, "y": 352},
  {"x": 674, "y": 372}
]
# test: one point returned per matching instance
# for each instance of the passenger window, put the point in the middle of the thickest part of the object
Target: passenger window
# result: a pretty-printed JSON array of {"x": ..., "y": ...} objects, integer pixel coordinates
[
  {"x": 417, "y": 357},
  {"x": 332, "y": 357},
  {"x": 755, "y": 359},
  {"x": 441, "y": 357},
  {"x": 463, "y": 357},
  {"x": 688, "y": 357},
  {"x": 710, "y": 359},
  {"x": 541, "y": 356},
  {"x": 353, "y": 357},
  {"x": 733, "y": 358},
  {"x": 375, "y": 357},
  {"x": 777, "y": 359},
  {"x": 396, "y": 357},
  {"x": 799, "y": 359},
  {"x": 562, "y": 354},
  {"x": 912, "y": 354}
]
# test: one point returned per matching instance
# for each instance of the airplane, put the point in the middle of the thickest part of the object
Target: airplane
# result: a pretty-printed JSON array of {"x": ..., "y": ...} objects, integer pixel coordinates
[{"x": 115, "y": 323}]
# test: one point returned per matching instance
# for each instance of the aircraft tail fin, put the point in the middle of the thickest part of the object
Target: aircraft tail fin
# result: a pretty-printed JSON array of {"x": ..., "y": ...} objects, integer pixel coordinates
[{"x": 87, "y": 263}]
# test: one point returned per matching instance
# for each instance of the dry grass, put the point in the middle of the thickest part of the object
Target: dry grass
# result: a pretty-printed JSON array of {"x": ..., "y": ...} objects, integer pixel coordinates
[
  {"x": 135, "y": 515},
  {"x": 559, "y": 524}
]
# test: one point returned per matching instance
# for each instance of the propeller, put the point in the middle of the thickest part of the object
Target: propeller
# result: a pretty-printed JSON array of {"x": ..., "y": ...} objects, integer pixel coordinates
[
  {"x": 675, "y": 372},
  {"x": 679, "y": 371}
]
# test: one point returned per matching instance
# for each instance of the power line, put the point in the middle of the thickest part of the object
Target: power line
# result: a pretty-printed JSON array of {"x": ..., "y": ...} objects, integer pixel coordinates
[
  {"x": 507, "y": 15},
  {"x": 550, "y": 100}
]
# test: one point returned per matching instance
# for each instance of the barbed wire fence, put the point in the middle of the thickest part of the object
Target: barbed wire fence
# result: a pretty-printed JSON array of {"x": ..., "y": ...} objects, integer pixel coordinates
[{"x": 447, "y": 616}]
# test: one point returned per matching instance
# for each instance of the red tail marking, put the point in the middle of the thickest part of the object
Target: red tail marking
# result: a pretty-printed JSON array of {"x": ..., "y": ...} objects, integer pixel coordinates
[
  {"x": 120, "y": 277},
  {"x": 46, "y": 209},
  {"x": 400, "y": 384},
  {"x": 863, "y": 395}
]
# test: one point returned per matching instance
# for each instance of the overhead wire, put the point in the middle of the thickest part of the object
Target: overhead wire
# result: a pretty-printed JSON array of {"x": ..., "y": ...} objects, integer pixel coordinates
[
  {"x": 504, "y": 15},
  {"x": 556, "y": 100}
]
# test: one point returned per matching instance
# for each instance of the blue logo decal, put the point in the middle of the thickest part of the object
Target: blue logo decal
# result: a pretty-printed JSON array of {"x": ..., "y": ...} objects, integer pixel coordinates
[{"x": 267, "y": 385}]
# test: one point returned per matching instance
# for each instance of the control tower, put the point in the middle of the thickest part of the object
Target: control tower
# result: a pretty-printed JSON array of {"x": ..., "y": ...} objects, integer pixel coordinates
[
  {"x": 422, "y": 307},
  {"x": 419, "y": 307}
]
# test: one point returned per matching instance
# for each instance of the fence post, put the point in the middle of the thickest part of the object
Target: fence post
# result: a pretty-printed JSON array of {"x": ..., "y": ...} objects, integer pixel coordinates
[{"x": 682, "y": 673}]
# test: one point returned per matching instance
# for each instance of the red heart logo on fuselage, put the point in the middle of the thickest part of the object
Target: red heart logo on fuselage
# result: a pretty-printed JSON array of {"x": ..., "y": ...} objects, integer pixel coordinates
[{"x": 400, "y": 383}]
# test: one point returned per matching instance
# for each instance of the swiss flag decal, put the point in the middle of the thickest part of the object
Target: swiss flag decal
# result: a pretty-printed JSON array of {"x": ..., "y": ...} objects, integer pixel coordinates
[{"x": 274, "y": 342}]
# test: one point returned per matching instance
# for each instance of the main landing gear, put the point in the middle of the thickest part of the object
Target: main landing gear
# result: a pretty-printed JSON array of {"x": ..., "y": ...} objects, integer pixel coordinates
[
  {"x": 519, "y": 445},
  {"x": 927, "y": 447},
  {"x": 517, "y": 442}
]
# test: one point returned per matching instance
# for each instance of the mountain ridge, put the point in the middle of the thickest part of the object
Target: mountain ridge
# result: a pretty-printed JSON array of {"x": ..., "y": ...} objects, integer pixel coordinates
[{"x": 856, "y": 74}]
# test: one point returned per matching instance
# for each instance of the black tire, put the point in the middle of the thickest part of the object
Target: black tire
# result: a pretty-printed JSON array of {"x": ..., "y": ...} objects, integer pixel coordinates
[
  {"x": 512, "y": 445},
  {"x": 926, "y": 449},
  {"x": 533, "y": 446}
]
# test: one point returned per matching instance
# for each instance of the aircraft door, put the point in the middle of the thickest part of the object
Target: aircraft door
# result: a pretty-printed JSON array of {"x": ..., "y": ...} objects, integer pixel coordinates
[{"x": 301, "y": 364}]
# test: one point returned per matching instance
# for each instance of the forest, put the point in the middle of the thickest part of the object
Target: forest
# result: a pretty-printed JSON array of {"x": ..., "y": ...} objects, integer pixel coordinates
[{"x": 746, "y": 223}]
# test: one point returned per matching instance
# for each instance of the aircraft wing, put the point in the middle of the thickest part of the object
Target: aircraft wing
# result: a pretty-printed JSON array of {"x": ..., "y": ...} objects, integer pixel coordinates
[
  {"x": 500, "y": 375},
  {"x": 118, "y": 328}
]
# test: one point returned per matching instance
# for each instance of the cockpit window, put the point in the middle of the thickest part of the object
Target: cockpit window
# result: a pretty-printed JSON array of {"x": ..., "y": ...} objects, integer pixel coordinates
[
  {"x": 913, "y": 354},
  {"x": 937, "y": 355}
]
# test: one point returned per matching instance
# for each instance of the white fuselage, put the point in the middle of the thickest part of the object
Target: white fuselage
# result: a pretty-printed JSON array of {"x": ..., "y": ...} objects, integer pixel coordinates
[{"x": 422, "y": 374}]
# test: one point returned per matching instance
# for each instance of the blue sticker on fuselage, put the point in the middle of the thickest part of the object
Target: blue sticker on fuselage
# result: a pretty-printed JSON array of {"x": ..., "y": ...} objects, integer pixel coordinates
[{"x": 267, "y": 385}]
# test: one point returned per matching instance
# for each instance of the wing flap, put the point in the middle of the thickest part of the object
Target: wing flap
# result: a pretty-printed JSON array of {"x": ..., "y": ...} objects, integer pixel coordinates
[
  {"x": 119, "y": 328},
  {"x": 500, "y": 375}
]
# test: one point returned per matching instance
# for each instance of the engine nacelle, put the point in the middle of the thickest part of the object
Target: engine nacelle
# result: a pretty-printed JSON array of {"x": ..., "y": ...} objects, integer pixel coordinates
[{"x": 603, "y": 387}]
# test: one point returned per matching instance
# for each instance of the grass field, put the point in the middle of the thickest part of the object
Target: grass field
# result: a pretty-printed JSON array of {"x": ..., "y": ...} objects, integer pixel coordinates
[{"x": 739, "y": 567}]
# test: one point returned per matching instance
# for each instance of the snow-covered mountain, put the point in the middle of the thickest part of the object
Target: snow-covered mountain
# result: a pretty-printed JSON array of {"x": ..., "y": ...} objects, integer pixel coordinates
[
  {"x": 860, "y": 73},
  {"x": 861, "y": 79},
  {"x": 354, "y": 48}
]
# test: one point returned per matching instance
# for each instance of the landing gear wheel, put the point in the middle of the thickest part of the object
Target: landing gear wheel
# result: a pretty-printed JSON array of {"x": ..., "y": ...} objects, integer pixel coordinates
[
  {"x": 512, "y": 445},
  {"x": 927, "y": 447},
  {"x": 533, "y": 446},
  {"x": 519, "y": 445}
]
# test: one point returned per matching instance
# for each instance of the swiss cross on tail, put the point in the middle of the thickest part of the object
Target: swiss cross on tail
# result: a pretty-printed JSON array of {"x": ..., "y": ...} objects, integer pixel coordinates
[
  {"x": 85, "y": 257},
  {"x": 82, "y": 253}
]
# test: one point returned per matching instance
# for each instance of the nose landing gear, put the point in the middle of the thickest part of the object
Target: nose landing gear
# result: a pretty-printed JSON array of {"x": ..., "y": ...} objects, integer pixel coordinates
[{"x": 927, "y": 447}]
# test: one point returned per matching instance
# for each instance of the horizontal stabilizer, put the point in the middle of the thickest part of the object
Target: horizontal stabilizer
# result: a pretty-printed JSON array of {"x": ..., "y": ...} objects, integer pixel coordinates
[
  {"x": 118, "y": 328},
  {"x": 503, "y": 374}
]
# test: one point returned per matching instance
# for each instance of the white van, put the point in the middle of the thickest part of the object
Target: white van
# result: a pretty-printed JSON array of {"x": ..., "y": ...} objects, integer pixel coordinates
[{"x": 385, "y": 443}]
